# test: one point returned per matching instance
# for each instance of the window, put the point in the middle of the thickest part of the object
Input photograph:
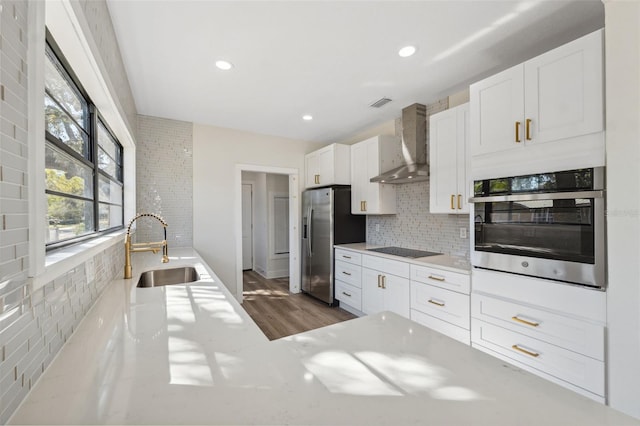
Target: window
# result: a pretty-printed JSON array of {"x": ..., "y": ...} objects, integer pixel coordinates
[{"x": 83, "y": 160}]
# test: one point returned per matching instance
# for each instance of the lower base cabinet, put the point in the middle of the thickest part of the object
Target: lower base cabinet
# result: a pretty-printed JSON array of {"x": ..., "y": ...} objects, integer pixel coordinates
[
  {"x": 562, "y": 340},
  {"x": 440, "y": 301},
  {"x": 382, "y": 290}
]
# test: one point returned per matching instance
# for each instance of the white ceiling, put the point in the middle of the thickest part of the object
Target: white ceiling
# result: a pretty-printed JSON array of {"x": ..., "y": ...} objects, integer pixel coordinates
[{"x": 330, "y": 59}]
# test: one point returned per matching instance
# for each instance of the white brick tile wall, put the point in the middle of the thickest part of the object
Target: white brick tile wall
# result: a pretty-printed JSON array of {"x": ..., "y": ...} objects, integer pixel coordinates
[
  {"x": 164, "y": 179},
  {"x": 413, "y": 226},
  {"x": 35, "y": 324}
]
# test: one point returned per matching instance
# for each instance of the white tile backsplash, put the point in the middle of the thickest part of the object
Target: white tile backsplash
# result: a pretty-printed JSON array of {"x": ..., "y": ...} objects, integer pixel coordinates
[
  {"x": 414, "y": 227},
  {"x": 164, "y": 179}
]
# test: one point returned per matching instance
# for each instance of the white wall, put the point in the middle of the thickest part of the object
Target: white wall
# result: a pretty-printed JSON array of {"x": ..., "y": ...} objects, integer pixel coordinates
[
  {"x": 622, "y": 38},
  {"x": 216, "y": 152}
]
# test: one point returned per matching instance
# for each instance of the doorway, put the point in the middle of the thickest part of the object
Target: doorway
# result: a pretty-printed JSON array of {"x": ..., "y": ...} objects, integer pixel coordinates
[{"x": 280, "y": 255}]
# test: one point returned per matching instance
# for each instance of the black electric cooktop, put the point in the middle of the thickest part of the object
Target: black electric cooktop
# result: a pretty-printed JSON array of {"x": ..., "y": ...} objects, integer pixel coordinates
[{"x": 404, "y": 252}]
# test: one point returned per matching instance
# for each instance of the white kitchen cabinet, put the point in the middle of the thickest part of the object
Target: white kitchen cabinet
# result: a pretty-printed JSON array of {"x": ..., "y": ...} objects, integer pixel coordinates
[
  {"x": 556, "y": 97},
  {"x": 440, "y": 300},
  {"x": 348, "y": 280},
  {"x": 551, "y": 329},
  {"x": 381, "y": 289},
  {"x": 370, "y": 158},
  {"x": 328, "y": 166},
  {"x": 448, "y": 133}
]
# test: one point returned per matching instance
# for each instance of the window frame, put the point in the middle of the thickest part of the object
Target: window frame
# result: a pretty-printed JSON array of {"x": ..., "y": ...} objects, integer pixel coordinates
[{"x": 94, "y": 119}]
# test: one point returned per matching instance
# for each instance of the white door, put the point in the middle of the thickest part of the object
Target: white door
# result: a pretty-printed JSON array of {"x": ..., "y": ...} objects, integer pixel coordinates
[
  {"x": 372, "y": 293},
  {"x": 497, "y": 112},
  {"x": 443, "y": 156},
  {"x": 462, "y": 146},
  {"x": 247, "y": 226},
  {"x": 563, "y": 91},
  {"x": 358, "y": 177},
  {"x": 397, "y": 294},
  {"x": 372, "y": 190}
]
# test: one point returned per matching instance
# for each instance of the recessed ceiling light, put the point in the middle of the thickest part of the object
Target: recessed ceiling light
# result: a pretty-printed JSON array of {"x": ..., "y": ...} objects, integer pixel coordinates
[
  {"x": 224, "y": 65},
  {"x": 307, "y": 117},
  {"x": 407, "y": 51}
]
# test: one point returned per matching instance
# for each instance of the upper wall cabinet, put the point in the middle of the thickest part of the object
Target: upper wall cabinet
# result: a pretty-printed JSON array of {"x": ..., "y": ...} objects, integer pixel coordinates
[
  {"x": 370, "y": 158},
  {"x": 448, "y": 154},
  {"x": 328, "y": 166},
  {"x": 556, "y": 97}
]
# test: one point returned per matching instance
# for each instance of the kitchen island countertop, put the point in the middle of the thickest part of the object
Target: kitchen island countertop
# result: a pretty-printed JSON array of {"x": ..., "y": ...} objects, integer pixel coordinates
[{"x": 189, "y": 354}]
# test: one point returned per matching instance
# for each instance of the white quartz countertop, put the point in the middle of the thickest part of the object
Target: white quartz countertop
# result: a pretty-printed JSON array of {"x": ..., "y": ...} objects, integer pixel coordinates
[
  {"x": 441, "y": 261},
  {"x": 189, "y": 354}
]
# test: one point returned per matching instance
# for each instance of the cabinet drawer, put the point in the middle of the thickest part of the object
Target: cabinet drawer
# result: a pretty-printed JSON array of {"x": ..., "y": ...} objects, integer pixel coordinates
[
  {"x": 460, "y": 334},
  {"x": 439, "y": 278},
  {"x": 393, "y": 267},
  {"x": 579, "y": 336},
  {"x": 579, "y": 370},
  {"x": 349, "y": 295},
  {"x": 349, "y": 273},
  {"x": 446, "y": 305},
  {"x": 348, "y": 256}
]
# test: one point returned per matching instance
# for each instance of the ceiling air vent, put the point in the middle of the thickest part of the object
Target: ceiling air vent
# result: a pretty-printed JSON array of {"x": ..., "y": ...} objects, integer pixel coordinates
[{"x": 380, "y": 102}]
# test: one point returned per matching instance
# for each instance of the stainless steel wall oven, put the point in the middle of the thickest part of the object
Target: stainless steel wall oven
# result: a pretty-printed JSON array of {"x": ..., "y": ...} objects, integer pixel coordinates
[{"x": 548, "y": 225}]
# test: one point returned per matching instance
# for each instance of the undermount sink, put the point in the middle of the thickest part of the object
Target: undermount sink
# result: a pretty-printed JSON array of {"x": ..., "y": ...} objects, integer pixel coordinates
[{"x": 160, "y": 277}]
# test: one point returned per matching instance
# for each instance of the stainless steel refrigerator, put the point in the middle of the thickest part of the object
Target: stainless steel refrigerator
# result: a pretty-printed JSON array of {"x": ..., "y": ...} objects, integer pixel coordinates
[{"x": 326, "y": 220}]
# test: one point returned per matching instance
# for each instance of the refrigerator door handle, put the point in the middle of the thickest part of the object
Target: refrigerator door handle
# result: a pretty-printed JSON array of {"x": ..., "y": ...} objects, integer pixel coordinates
[{"x": 310, "y": 239}]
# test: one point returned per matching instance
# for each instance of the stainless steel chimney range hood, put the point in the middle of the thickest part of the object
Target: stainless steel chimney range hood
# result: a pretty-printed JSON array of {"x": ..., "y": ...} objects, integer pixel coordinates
[{"x": 414, "y": 149}]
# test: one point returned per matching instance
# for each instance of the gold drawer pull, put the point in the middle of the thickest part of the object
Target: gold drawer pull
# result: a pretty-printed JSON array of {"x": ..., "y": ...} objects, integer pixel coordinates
[
  {"x": 517, "y": 131},
  {"x": 436, "y": 303},
  {"x": 346, "y": 273},
  {"x": 530, "y": 323},
  {"x": 459, "y": 202},
  {"x": 433, "y": 277},
  {"x": 528, "y": 129},
  {"x": 452, "y": 198},
  {"x": 346, "y": 294},
  {"x": 524, "y": 351},
  {"x": 346, "y": 257},
  {"x": 379, "y": 281}
]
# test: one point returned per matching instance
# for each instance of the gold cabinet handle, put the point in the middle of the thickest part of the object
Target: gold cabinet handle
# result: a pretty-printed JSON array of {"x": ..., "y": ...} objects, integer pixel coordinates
[
  {"x": 528, "y": 129},
  {"x": 435, "y": 302},
  {"x": 524, "y": 351},
  {"x": 361, "y": 206},
  {"x": 452, "y": 197},
  {"x": 434, "y": 277},
  {"x": 346, "y": 294},
  {"x": 379, "y": 281},
  {"x": 346, "y": 257},
  {"x": 530, "y": 323},
  {"x": 346, "y": 273},
  {"x": 518, "y": 131},
  {"x": 384, "y": 281},
  {"x": 365, "y": 205},
  {"x": 459, "y": 202}
]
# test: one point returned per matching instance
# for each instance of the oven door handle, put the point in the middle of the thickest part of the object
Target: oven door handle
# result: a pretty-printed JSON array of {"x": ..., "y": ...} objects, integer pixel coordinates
[{"x": 539, "y": 196}]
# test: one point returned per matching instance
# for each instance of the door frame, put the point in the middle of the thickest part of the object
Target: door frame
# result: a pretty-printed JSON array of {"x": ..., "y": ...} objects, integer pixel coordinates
[{"x": 294, "y": 222}]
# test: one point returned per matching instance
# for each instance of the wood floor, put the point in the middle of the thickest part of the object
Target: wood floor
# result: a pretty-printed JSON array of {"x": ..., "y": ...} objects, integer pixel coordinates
[{"x": 279, "y": 313}]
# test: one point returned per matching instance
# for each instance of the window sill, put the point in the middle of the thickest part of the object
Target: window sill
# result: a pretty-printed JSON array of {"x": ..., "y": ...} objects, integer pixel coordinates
[{"x": 63, "y": 260}]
